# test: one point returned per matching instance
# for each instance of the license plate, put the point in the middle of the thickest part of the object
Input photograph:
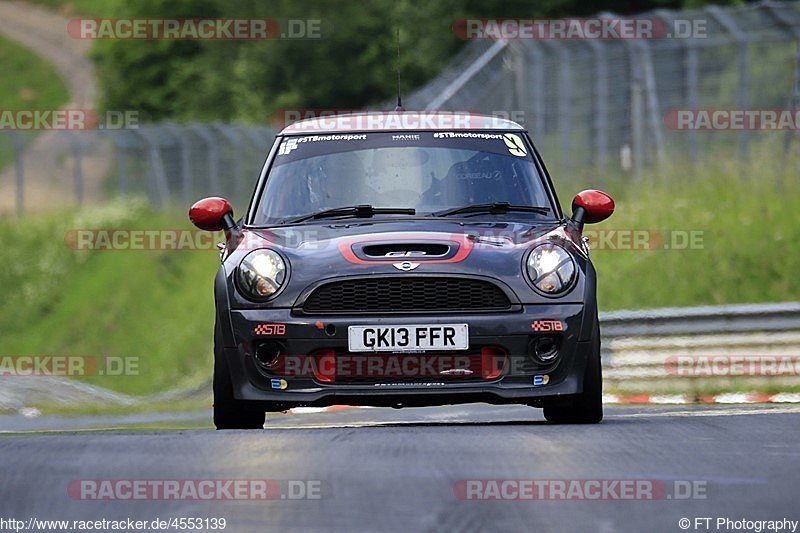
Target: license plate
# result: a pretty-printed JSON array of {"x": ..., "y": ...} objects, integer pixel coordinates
[{"x": 408, "y": 338}]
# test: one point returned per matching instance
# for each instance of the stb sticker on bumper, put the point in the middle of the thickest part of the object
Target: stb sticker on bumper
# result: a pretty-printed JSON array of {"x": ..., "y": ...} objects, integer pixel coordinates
[{"x": 408, "y": 338}]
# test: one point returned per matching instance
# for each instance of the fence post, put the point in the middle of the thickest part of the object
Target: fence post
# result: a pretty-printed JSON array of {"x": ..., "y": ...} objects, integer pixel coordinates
[
  {"x": 795, "y": 99},
  {"x": 564, "y": 122},
  {"x": 690, "y": 80},
  {"x": 19, "y": 170},
  {"x": 643, "y": 80},
  {"x": 519, "y": 73},
  {"x": 186, "y": 165},
  {"x": 741, "y": 38},
  {"x": 181, "y": 134},
  {"x": 653, "y": 109},
  {"x": 538, "y": 92},
  {"x": 600, "y": 111},
  {"x": 564, "y": 111},
  {"x": 637, "y": 124},
  {"x": 792, "y": 24},
  {"x": 232, "y": 137},
  {"x": 458, "y": 83},
  {"x": 156, "y": 163},
  {"x": 255, "y": 141},
  {"x": 120, "y": 144},
  {"x": 212, "y": 154}
]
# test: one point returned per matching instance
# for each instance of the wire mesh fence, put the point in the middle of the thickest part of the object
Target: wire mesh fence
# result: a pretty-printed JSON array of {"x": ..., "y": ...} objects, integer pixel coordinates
[
  {"x": 613, "y": 105},
  {"x": 167, "y": 163}
]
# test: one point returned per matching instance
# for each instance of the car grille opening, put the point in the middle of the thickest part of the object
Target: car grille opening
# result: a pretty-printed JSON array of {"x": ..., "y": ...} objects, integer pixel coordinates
[
  {"x": 340, "y": 367},
  {"x": 406, "y": 294},
  {"x": 405, "y": 250}
]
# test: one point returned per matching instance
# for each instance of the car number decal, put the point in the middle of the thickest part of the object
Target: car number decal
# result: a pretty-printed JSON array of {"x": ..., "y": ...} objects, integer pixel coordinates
[{"x": 515, "y": 145}]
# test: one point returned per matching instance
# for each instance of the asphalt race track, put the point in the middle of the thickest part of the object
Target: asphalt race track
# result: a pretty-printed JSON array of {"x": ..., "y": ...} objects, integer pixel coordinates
[{"x": 401, "y": 470}]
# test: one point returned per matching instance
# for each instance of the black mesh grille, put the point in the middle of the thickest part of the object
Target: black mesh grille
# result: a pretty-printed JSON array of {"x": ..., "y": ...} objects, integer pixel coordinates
[{"x": 406, "y": 294}]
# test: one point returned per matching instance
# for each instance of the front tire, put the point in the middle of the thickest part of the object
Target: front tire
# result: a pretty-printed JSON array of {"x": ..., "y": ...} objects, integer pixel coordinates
[
  {"x": 587, "y": 407},
  {"x": 230, "y": 413}
]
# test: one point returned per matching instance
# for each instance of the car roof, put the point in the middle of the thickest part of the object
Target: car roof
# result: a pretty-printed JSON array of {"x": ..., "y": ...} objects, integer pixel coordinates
[{"x": 399, "y": 121}]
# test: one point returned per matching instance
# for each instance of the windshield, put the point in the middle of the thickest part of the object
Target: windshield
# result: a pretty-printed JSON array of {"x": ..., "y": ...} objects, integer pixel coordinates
[{"x": 426, "y": 171}]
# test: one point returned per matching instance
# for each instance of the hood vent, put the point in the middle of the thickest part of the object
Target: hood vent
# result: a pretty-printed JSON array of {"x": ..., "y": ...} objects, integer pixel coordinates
[{"x": 406, "y": 250}]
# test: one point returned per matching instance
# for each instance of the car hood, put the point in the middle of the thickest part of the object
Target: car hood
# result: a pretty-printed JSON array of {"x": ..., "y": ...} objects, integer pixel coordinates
[
  {"x": 343, "y": 243},
  {"x": 317, "y": 252}
]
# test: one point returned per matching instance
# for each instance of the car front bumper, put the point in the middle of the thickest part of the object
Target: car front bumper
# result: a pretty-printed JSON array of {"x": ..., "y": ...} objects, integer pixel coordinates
[{"x": 509, "y": 336}]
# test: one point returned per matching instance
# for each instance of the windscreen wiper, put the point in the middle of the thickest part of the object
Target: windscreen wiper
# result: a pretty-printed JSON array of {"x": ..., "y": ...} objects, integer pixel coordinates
[
  {"x": 496, "y": 208},
  {"x": 358, "y": 211}
]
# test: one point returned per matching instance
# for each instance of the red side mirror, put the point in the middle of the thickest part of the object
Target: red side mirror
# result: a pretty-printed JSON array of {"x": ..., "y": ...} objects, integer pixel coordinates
[
  {"x": 591, "y": 206},
  {"x": 212, "y": 214}
]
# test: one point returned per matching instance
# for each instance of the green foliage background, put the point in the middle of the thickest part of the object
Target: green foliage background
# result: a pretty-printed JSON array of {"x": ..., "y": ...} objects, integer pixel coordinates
[{"x": 352, "y": 66}]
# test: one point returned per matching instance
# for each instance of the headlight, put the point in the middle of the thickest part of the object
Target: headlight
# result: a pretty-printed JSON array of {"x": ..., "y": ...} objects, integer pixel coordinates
[
  {"x": 551, "y": 268},
  {"x": 261, "y": 274}
]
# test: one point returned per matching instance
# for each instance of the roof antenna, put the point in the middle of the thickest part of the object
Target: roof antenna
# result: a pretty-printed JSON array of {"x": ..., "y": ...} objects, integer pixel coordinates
[{"x": 399, "y": 106}]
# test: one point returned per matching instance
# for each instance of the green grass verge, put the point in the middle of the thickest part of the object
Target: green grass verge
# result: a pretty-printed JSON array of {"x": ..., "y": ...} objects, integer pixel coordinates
[
  {"x": 156, "y": 306},
  {"x": 744, "y": 215},
  {"x": 28, "y": 82},
  {"x": 98, "y": 409}
]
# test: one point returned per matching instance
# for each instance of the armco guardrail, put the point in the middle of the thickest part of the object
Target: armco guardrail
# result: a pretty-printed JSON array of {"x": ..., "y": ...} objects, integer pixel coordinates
[
  {"x": 641, "y": 348},
  {"x": 702, "y": 320}
]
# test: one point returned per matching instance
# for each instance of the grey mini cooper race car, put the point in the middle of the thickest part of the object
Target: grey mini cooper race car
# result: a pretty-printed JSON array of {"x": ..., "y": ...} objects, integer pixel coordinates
[{"x": 405, "y": 259}]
